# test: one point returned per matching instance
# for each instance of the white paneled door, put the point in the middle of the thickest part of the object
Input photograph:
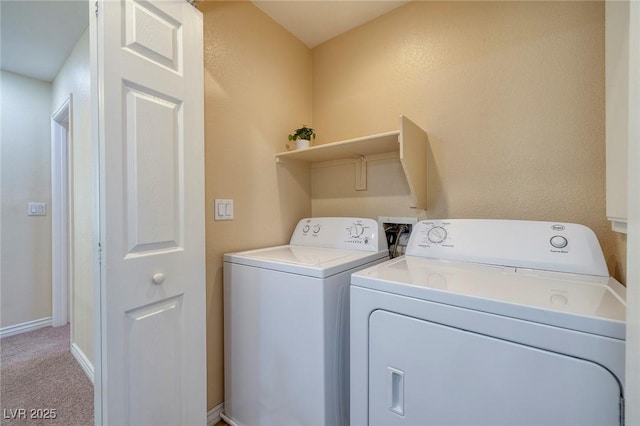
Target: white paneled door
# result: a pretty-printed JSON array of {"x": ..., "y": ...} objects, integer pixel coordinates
[{"x": 147, "y": 61}]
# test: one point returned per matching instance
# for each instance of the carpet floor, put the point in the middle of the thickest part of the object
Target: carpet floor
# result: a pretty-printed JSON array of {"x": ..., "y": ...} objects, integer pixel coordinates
[{"x": 40, "y": 378}]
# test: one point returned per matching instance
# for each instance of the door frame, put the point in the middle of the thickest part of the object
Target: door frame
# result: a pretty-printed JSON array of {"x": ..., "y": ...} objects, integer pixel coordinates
[
  {"x": 96, "y": 108},
  {"x": 632, "y": 382},
  {"x": 61, "y": 213}
]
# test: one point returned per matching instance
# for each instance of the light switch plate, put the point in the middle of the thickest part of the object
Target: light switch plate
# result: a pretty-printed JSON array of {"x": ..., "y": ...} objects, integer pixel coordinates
[
  {"x": 36, "y": 209},
  {"x": 223, "y": 209}
]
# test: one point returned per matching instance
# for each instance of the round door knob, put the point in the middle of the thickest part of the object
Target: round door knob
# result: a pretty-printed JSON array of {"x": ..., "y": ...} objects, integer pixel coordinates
[{"x": 158, "y": 278}]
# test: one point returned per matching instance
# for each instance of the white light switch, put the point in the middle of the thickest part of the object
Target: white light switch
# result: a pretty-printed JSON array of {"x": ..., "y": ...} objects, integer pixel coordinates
[
  {"x": 36, "y": 209},
  {"x": 223, "y": 209}
]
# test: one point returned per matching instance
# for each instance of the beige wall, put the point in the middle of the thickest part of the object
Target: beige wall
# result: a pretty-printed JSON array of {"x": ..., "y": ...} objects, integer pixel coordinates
[
  {"x": 512, "y": 95},
  {"x": 333, "y": 190},
  {"x": 25, "y": 294},
  {"x": 74, "y": 79},
  {"x": 257, "y": 89}
]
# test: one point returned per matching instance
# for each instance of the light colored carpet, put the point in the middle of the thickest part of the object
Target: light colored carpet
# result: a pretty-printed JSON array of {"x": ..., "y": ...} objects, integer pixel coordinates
[{"x": 37, "y": 372}]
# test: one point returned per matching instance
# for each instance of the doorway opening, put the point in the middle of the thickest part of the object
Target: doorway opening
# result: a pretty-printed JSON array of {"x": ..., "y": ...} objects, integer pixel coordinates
[{"x": 61, "y": 214}]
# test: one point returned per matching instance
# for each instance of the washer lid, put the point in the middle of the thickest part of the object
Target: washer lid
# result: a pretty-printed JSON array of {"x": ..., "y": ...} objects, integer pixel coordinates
[
  {"x": 311, "y": 261},
  {"x": 592, "y": 304}
]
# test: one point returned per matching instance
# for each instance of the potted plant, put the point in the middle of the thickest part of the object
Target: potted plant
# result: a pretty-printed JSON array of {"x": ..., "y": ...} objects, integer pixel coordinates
[{"x": 303, "y": 136}]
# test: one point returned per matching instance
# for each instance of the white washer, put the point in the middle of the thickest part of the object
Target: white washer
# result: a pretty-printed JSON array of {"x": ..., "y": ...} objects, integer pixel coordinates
[
  {"x": 489, "y": 323},
  {"x": 286, "y": 323}
]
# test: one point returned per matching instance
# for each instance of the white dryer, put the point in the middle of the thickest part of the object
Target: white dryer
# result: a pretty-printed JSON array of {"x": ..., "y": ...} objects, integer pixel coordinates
[
  {"x": 286, "y": 324},
  {"x": 488, "y": 322}
]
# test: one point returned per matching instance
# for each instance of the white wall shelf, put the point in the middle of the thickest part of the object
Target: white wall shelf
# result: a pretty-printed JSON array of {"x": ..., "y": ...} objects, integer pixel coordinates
[
  {"x": 352, "y": 148},
  {"x": 409, "y": 142}
]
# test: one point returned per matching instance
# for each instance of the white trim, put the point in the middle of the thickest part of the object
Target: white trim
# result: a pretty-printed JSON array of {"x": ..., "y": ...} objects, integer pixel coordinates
[
  {"x": 82, "y": 359},
  {"x": 214, "y": 415},
  {"x": 632, "y": 374},
  {"x": 226, "y": 419},
  {"x": 61, "y": 135},
  {"x": 25, "y": 327},
  {"x": 96, "y": 36}
]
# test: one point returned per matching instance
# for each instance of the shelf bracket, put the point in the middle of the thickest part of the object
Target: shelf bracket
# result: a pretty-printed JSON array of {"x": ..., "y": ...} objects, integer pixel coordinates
[
  {"x": 361, "y": 174},
  {"x": 618, "y": 224}
]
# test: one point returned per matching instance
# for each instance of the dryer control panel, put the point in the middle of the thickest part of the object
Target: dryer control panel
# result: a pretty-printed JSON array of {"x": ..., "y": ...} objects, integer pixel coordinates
[
  {"x": 349, "y": 233},
  {"x": 551, "y": 246}
]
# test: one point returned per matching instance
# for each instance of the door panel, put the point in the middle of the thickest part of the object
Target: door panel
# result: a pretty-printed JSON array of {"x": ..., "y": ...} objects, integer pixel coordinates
[
  {"x": 154, "y": 340},
  {"x": 151, "y": 132},
  {"x": 154, "y": 160},
  {"x": 153, "y": 34},
  {"x": 423, "y": 373}
]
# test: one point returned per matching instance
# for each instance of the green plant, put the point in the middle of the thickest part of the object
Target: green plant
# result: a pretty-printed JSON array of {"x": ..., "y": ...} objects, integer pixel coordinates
[{"x": 303, "y": 132}]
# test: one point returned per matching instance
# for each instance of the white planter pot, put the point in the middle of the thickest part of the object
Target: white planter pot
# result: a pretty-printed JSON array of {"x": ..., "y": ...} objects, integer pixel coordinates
[{"x": 302, "y": 143}]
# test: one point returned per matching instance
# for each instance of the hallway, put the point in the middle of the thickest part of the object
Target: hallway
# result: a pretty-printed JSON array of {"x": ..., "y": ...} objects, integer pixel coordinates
[{"x": 41, "y": 382}]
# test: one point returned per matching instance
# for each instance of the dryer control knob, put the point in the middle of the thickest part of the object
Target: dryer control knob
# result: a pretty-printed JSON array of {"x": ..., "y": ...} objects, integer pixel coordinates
[
  {"x": 316, "y": 229},
  {"x": 558, "y": 241},
  {"x": 437, "y": 234}
]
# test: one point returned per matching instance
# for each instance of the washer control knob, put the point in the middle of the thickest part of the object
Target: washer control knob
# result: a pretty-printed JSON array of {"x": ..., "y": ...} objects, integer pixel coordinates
[
  {"x": 437, "y": 234},
  {"x": 316, "y": 229},
  {"x": 305, "y": 229},
  {"x": 356, "y": 230},
  {"x": 558, "y": 241}
]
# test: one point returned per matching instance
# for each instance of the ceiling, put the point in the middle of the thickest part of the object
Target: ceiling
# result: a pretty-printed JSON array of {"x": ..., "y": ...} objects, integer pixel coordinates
[
  {"x": 37, "y": 36},
  {"x": 316, "y": 21}
]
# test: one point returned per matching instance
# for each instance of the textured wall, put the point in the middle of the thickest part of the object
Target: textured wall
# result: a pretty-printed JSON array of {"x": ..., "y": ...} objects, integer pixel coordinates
[
  {"x": 25, "y": 169},
  {"x": 74, "y": 79},
  {"x": 257, "y": 90},
  {"x": 512, "y": 95}
]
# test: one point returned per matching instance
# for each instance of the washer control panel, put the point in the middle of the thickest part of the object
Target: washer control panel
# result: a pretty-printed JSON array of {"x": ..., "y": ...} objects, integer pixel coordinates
[
  {"x": 552, "y": 246},
  {"x": 349, "y": 233}
]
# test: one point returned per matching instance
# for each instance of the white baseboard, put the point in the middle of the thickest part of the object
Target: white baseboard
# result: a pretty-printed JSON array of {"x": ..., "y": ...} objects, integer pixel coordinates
[
  {"x": 25, "y": 327},
  {"x": 213, "y": 416},
  {"x": 82, "y": 359}
]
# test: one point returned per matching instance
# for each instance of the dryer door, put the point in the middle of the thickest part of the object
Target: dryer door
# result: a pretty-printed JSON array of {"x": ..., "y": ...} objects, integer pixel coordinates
[{"x": 423, "y": 373}]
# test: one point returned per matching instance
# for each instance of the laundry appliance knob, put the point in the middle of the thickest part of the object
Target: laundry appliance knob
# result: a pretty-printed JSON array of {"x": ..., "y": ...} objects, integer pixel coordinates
[
  {"x": 437, "y": 234},
  {"x": 558, "y": 241}
]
